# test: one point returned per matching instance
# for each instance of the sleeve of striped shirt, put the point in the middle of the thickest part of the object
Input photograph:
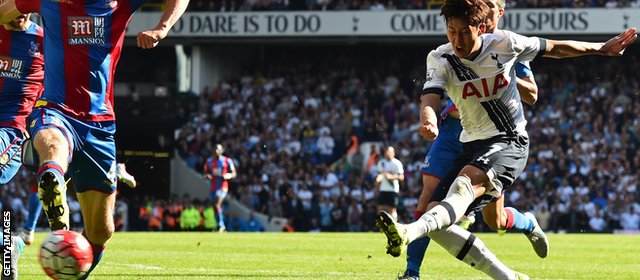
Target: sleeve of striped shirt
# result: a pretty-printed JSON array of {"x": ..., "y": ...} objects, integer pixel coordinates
[
  {"x": 527, "y": 48},
  {"x": 436, "y": 79}
]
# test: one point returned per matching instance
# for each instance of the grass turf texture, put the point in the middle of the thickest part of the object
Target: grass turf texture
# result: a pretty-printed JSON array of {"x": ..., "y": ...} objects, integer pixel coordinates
[{"x": 147, "y": 255}]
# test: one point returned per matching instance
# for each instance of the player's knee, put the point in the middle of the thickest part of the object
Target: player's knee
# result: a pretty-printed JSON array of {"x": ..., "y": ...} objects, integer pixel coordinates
[
  {"x": 50, "y": 140},
  {"x": 100, "y": 234},
  {"x": 462, "y": 187}
]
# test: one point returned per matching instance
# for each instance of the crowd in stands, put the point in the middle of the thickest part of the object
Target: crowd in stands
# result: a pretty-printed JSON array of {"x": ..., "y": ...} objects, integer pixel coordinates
[
  {"x": 295, "y": 131},
  {"x": 291, "y": 128},
  {"x": 382, "y": 5}
]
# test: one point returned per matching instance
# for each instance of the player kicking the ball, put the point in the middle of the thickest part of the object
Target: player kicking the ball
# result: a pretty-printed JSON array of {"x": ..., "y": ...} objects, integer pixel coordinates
[
  {"x": 477, "y": 73},
  {"x": 73, "y": 122}
]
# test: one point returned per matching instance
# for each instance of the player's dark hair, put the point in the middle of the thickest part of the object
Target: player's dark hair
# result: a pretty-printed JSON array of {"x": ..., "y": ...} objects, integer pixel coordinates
[{"x": 473, "y": 11}]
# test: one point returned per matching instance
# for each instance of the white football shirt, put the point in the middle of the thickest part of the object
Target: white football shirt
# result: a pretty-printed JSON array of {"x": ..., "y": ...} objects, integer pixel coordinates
[
  {"x": 393, "y": 166},
  {"x": 484, "y": 89}
]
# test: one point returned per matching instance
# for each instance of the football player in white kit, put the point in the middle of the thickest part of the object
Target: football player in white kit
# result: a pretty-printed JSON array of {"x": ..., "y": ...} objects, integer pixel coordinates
[{"x": 477, "y": 73}]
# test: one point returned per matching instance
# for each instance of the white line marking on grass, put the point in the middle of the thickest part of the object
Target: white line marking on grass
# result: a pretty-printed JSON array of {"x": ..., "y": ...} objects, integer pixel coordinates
[{"x": 134, "y": 265}]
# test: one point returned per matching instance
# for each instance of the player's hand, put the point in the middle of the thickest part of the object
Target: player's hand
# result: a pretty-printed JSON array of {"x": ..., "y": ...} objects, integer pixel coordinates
[
  {"x": 149, "y": 39},
  {"x": 428, "y": 131},
  {"x": 616, "y": 45},
  {"x": 379, "y": 179}
]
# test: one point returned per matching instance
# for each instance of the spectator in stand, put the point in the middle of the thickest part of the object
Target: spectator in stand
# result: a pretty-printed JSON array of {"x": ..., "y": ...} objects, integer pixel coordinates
[
  {"x": 630, "y": 220},
  {"x": 253, "y": 224},
  {"x": 597, "y": 223},
  {"x": 190, "y": 218},
  {"x": 325, "y": 146},
  {"x": 209, "y": 215}
]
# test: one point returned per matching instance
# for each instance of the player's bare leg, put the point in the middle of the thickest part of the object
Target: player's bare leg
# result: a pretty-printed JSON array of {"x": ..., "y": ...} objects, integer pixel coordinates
[
  {"x": 97, "y": 212},
  {"x": 53, "y": 149},
  {"x": 497, "y": 217},
  {"x": 221, "y": 225}
]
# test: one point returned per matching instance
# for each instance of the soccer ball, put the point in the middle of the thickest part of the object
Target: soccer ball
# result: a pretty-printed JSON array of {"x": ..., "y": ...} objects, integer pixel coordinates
[{"x": 65, "y": 255}]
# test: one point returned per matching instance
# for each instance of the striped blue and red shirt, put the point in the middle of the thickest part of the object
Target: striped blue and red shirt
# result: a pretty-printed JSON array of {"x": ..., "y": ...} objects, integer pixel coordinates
[
  {"x": 83, "y": 44},
  {"x": 21, "y": 74},
  {"x": 216, "y": 167}
]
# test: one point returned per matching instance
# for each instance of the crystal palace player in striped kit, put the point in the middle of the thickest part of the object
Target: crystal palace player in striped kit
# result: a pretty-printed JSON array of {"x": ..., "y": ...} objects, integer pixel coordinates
[
  {"x": 73, "y": 123},
  {"x": 219, "y": 169},
  {"x": 21, "y": 77},
  {"x": 477, "y": 72}
]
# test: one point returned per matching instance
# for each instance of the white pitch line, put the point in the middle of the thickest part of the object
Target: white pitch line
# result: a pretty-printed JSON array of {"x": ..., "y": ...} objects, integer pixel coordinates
[{"x": 135, "y": 265}]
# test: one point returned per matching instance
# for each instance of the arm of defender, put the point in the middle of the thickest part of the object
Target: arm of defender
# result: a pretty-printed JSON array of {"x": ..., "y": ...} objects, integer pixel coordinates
[
  {"x": 150, "y": 38},
  {"x": 8, "y": 11},
  {"x": 528, "y": 90},
  {"x": 527, "y": 87},
  {"x": 614, "y": 47}
]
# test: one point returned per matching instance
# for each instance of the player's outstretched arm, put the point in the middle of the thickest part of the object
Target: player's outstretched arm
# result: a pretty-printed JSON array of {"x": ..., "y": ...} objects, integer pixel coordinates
[
  {"x": 614, "y": 47},
  {"x": 150, "y": 38},
  {"x": 8, "y": 11},
  {"x": 428, "y": 128}
]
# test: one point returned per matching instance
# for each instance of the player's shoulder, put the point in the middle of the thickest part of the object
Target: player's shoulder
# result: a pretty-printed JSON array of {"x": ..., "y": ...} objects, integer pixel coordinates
[
  {"x": 440, "y": 53},
  {"x": 35, "y": 29},
  {"x": 441, "y": 50},
  {"x": 500, "y": 40},
  {"x": 498, "y": 36}
]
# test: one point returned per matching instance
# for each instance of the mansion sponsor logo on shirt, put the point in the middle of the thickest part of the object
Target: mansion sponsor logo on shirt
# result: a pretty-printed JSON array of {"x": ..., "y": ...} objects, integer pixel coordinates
[
  {"x": 10, "y": 68},
  {"x": 86, "y": 31}
]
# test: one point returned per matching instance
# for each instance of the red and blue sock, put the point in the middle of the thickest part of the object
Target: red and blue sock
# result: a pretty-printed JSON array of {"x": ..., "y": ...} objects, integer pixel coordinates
[
  {"x": 98, "y": 251},
  {"x": 517, "y": 221},
  {"x": 53, "y": 167}
]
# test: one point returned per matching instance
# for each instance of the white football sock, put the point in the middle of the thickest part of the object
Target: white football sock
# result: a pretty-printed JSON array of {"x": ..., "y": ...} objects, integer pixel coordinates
[
  {"x": 450, "y": 210},
  {"x": 471, "y": 250}
]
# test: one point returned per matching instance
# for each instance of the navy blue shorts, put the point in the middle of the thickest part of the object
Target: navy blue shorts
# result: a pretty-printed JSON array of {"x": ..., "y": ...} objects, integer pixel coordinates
[{"x": 92, "y": 148}]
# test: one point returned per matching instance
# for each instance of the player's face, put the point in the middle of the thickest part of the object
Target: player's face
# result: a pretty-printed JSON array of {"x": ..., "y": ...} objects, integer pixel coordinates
[
  {"x": 495, "y": 12},
  {"x": 465, "y": 39},
  {"x": 219, "y": 150},
  {"x": 390, "y": 153},
  {"x": 19, "y": 23}
]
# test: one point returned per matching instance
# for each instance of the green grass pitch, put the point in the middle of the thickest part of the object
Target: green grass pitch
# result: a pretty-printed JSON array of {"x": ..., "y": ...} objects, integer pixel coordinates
[{"x": 207, "y": 255}]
